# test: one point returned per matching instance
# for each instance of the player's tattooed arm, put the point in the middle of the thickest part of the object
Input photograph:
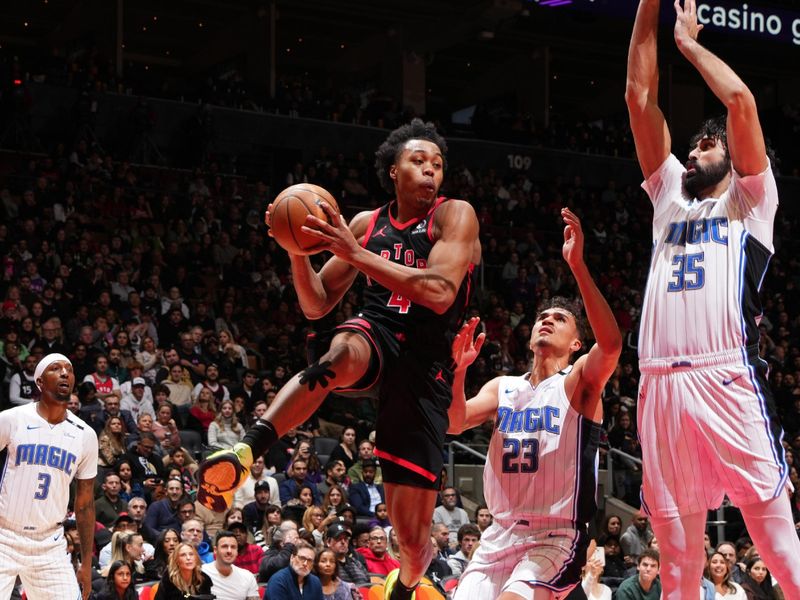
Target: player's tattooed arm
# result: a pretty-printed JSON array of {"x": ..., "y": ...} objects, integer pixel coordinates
[
  {"x": 317, "y": 373},
  {"x": 85, "y": 519}
]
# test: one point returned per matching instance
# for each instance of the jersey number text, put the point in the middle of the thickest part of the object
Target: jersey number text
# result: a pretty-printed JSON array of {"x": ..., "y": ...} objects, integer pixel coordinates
[
  {"x": 401, "y": 303},
  {"x": 520, "y": 456},
  {"x": 689, "y": 274},
  {"x": 44, "y": 487}
]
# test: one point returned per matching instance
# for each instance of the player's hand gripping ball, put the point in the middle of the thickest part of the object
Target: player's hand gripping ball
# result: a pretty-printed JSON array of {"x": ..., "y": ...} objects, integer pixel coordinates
[{"x": 287, "y": 214}]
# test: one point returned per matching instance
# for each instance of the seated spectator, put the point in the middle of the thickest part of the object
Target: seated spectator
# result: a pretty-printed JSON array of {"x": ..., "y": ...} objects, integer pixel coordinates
[
  {"x": 258, "y": 473},
  {"x": 296, "y": 580},
  {"x": 151, "y": 358},
  {"x": 378, "y": 560},
  {"x": 728, "y": 550},
  {"x": 183, "y": 577},
  {"x": 468, "y": 537},
  {"x": 91, "y": 407},
  {"x": 129, "y": 548},
  {"x": 166, "y": 429},
  {"x": 225, "y": 431},
  {"x": 234, "y": 353},
  {"x": 129, "y": 488},
  {"x": 125, "y": 523},
  {"x": 219, "y": 391},
  {"x": 450, "y": 514},
  {"x": 104, "y": 384},
  {"x": 326, "y": 567},
  {"x": 110, "y": 505},
  {"x": 254, "y": 511},
  {"x": 758, "y": 583},
  {"x": 192, "y": 532},
  {"x": 645, "y": 585},
  {"x": 179, "y": 458},
  {"x": 334, "y": 499},
  {"x": 346, "y": 450},
  {"x": 137, "y": 398},
  {"x": 592, "y": 573},
  {"x": 282, "y": 540},
  {"x": 335, "y": 474},
  {"x": 381, "y": 516},
  {"x": 163, "y": 514},
  {"x": 440, "y": 534},
  {"x": 352, "y": 567},
  {"x": 119, "y": 583},
  {"x": 166, "y": 542},
  {"x": 316, "y": 522},
  {"x": 229, "y": 581},
  {"x": 180, "y": 390},
  {"x": 483, "y": 518},
  {"x": 111, "y": 442},
  {"x": 636, "y": 538},
  {"x": 203, "y": 410},
  {"x": 249, "y": 555},
  {"x": 615, "y": 566},
  {"x": 366, "y": 451},
  {"x": 272, "y": 518},
  {"x": 111, "y": 408},
  {"x": 366, "y": 494},
  {"x": 288, "y": 488},
  {"x": 305, "y": 451},
  {"x": 146, "y": 466},
  {"x": 718, "y": 572}
]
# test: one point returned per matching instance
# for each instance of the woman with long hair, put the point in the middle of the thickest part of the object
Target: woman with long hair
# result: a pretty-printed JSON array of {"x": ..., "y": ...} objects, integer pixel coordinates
[
  {"x": 234, "y": 353},
  {"x": 316, "y": 521},
  {"x": 165, "y": 543},
  {"x": 165, "y": 428},
  {"x": 128, "y": 548},
  {"x": 334, "y": 498},
  {"x": 180, "y": 459},
  {"x": 305, "y": 495},
  {"x": 151, "y": 357},
  {"x": 129, "y": 488},
  {"x": 119, "y": 583},
  {"x": 225, "y": 430},
  {"x": 394, "y": 544},
  {"x": 346, "y": 450},
  {"x": 111, "y": 442},
  {"x": 203, "y": 409},
  {"x": 758, "y": 583},
  {"x": 272, "y": 519},
  {"x": 592, "y": 572},
  {"x": 326, "y": 567},
  {"x": 183, "y": 577},
  {"x": 718, "y": 572}
]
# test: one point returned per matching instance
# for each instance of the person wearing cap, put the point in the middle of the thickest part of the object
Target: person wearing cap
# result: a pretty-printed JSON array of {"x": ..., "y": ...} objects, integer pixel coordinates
[
  {"x": 352, "y": 566},
  {"x": 249, "y": 555},
  {"x": 109, "y": 506},
  {"x": 366, "y": 494},
  {"x": 254, "y": 511},
  {"x": 258, "y": 473},
  {"x": 228, "y": 580},
  {"x": 137, "y": 397},
  {"x": 211, "y": 382},
  {"x": 34, "y": 496}
]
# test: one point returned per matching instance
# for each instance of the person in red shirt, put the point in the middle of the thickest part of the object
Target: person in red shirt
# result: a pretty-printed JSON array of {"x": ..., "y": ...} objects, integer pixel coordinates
[
  {"x": 378, "y": 560},
  {"x": 250, "y": 555}
]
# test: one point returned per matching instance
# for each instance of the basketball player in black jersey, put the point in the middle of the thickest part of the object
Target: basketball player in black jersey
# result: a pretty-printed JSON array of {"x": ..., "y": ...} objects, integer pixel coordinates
[{"x": 417, "y": 253}]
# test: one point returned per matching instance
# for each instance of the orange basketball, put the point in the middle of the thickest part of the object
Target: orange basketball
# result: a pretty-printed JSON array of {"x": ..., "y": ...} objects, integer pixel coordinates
[{"x": 289, "y": 212}]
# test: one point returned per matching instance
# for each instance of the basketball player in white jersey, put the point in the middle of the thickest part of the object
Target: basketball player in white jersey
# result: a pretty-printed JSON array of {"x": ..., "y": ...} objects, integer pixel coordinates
[
  {"x": 540, "y": 476},
  {"x": 707, "y": 420},
  {"x": 43, "y": 447}
]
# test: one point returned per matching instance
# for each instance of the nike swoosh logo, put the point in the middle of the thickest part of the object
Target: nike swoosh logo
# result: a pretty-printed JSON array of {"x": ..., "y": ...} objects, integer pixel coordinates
[
  {"x": 56, "y": 536},
  {"x": 551, "y": 534},
  {"x": 509, "y": 391},
  {"x": 34, "y": 426},
  {"x": 731, "y": 380}
]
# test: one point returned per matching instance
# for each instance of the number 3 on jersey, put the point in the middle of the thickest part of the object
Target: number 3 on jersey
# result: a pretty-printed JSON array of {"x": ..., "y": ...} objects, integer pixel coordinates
[
  {"x": 44, "y": 487},
  {"x": 401, "y": 303},
  {"x": 528, "y": 462}
]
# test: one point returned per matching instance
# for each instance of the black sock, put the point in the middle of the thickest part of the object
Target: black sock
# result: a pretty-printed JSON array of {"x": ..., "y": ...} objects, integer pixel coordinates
[
  {"x": 261, "y": 437},
  {"x": 401, "y": 592}
]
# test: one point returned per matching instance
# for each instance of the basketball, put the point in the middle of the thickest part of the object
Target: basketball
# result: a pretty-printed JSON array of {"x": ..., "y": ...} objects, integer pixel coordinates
[{"x": 289, "y": 212}]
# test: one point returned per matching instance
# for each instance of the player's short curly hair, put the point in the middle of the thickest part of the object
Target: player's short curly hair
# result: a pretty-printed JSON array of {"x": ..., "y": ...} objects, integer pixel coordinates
[
  {"x": 717, "y": 128},
  {"x": 389, "y": 150},
  {"x": 573, "y": 307}
]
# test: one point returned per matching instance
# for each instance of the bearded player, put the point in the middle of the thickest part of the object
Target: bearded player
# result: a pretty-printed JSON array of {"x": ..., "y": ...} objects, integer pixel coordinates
[
  {"x": 44, "y": 448},
  {"x": 707, "y": 420},
  {"x": 418, "y": 252}
]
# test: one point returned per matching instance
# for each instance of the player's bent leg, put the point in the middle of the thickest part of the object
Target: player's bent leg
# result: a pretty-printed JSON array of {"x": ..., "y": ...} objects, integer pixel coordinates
[
  {"x": 410, "y": 511},
  {"x": 772, "y": 530},
  {"x": 680, "y": 541},
  {"x": 222, "y": 473}
]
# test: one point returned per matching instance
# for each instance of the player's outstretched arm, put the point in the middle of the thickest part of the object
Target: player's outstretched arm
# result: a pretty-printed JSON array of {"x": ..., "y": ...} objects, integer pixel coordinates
[
  {"x": 318, "y": 293},
  {"x": 85, "y": 519},
  {"x": 435, "y": 286},
  {"x": 650, "y": 131},
  {"x": 591, "y": 371},
  {"x": 746, "y": 144},
  {"x": 464, "y": 414}
]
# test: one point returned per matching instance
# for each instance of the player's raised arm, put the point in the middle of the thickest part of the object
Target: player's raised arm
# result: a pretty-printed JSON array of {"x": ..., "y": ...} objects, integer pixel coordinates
[
  {"x": 85, "y": 519},
  {"x": 650, "y": 131},
  {"x": 435, "y": 286},
  {"x": 593, "y": 369},
  {"x": 746, "y": 145},
  {"x": 318, "y": 293},
  {"x": 464, "y": 414}
]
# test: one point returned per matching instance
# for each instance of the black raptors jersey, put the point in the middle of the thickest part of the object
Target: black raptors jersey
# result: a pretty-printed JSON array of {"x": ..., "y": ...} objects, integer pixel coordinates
[{"x": 410, "y": 244}]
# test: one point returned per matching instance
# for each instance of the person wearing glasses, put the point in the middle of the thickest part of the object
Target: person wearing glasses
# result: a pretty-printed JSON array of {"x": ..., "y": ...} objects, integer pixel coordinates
[
  {"x": 378, "y": 560},
  {"x": 450, "y": 514},
  {"x": 296, "y": 581}
]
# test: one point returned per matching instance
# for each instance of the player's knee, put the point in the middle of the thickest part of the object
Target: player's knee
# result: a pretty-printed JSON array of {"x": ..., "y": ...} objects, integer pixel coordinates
[{"x": 348, "y": 354}]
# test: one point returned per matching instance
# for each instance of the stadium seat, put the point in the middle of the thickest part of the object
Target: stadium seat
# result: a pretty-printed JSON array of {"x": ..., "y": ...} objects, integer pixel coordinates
[
  {"x": 192, "y": 442},
  {"x": 325, "y": 445},
  {"x": 323, "y": 459},
  {"x": 279, "y": 477}
]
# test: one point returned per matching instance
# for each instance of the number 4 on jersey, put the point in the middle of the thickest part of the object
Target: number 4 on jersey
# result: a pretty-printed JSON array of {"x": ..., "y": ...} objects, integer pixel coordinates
[{"x": 401, "y": 303}]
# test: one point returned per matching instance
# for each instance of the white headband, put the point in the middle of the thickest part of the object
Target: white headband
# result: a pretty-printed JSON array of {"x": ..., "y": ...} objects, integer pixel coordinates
[{"x": 46, "y": 362}]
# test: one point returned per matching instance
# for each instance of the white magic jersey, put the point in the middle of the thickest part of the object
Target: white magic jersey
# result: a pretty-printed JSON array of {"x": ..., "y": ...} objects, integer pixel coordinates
[
  {"x": 542, "y": 458},
  {"x": 40, "y": 462},
  {"x": 709, "y": 259}
]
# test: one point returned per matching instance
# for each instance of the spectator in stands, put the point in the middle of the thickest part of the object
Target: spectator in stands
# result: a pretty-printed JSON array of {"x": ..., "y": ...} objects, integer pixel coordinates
[
  {"x": 234, "y": 354},
  {"x": 253, "y": 512},
  {"x": 165, "y": 543},
  {"x": 137, "y": 397},
  {"x": 377, "y": 559},
  {"x": 111, "y": 408},
  {"x": 190, "y": 359},
  {"x": 166, "y": 429},
  {"x": 91, "y": 407},
  {"x": 440, "y": 533},
  {"x": 636, "y": 538},
  {"x": 352, "y": 567},
  {"x": 180, "y": 390},
  {"x": 450, "y": 514},
  {"x": 468, "y": 537},
  {"x": 728, "y": 550},
  {"x": 249, "y": 555},
  {"x": 183, "y": 577},
  {"x": 229, "y": 581},
  {"x": 316, "y": 522},
  {"x": 145, "y": 465},
  {"x": 151, "y": 358},
  {"x": 249, "y": 390},
  {"x": 334, "y": 475},
  {"x": 163, "y": 513},
  {"x": 612, "y": 526},
  {"x": 645, "y": 585},
  {"x": 109, "y": 506},
  {"x": 718, "y": 571},
  {"x": 111, "y": 442},
  {"x": 297, "y": 473},
  {"x": 119, "y": 583},
  {"x": 51, "y": 333},
  {"x": 381, "y": 516},
  {"x": 192, "y": 532},
  {"x": 366, "y": 451},
  {"x": 483, "y": 518},
  {"x": 219, "y": 391},
  {"x": 181, "y": 460},
  {"x": 225, "y": 430},
  {"x": 137, "y": 508},
  {"x": 116, "y": 369},
  {"x": 282, "y": 540},
  {"x": 758, "y": 583},
  {"x": 246, "y": 493},
  {"x": 366, "y": 494},
  {"x": 296, "y": 580},
  {"x": 326, "y": 567},
  {"x": 104, "y": 384},
  {"x": 130, "y": 488},
  {"x": 592, "y": 573},
  {"x": 615, "y": 567},
  {"x": 346, "y": 450}
]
